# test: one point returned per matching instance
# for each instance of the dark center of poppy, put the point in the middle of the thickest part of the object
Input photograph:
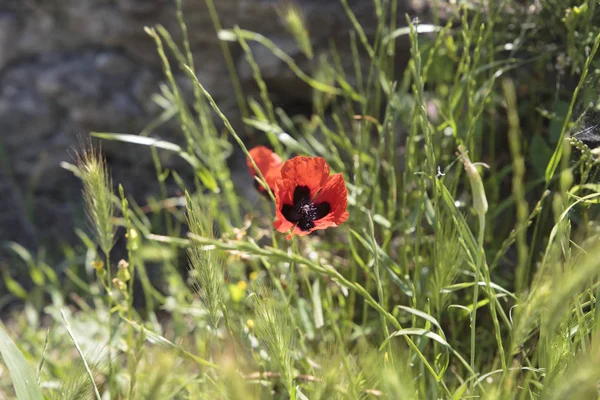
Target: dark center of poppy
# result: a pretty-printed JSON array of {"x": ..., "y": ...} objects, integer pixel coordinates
[{"x": 304, "y": 212}]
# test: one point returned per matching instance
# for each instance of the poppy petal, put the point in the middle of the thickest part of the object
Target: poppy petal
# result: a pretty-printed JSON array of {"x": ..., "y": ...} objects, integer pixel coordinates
[
  {"x": 335, "y": 194},
  {"x": 269, "y": 164},
  {"x": 311, "y": 172},
  {"x": 264, "y": 158},
  {"x": 284, "y": 196},
  {"x": 272, "y": 175}
]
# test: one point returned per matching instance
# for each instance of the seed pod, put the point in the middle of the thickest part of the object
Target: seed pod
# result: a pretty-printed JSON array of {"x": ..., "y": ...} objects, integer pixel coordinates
[{"x": 480, "y": 203}]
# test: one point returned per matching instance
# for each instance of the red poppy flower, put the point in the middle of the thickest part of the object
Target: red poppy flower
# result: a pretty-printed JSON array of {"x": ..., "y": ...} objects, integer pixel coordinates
[
  {"x": 307, "y": 198},
  {"x": 269, "y": 165}
]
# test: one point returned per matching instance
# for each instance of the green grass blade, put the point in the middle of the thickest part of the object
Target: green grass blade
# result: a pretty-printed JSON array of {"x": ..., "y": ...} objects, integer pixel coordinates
[
  {"x": 85, "y": 364},
  {"x": 148, "y": 141},
  {"x": 430, "y": 335},
  {"x": 159, "y": 340},
  {"x": 423, "y": 315},
  {"x": 405, "y": 31},
  {"x": 23, "y": 376}
]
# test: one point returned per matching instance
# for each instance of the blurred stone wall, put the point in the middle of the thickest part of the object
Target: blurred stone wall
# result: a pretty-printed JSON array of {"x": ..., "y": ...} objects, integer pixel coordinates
[{"x": 68, "y": 67}]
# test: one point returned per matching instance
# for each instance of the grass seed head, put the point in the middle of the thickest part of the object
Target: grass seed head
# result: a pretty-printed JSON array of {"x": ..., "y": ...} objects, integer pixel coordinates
[{"x": 98, "y": 193}]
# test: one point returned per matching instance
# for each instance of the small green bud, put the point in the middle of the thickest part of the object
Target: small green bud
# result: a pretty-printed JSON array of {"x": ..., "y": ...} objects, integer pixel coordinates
[
  {"x": 133, "y": 239},
  {"x": 123, "y": 271},
  {"x": 480, "y": 203},
  {"x": 99, "y": 267},
  {"x": 119, "y": 284}
]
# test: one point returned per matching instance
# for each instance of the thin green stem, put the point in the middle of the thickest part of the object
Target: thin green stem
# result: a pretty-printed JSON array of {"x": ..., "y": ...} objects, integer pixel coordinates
[
  {"x": 85, "y": 364},
  {"x": 235, "y": 80},
  {"x": 111, "y": 373}
]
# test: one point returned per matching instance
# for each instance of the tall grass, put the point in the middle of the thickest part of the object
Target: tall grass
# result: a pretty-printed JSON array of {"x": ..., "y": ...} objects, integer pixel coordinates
[{"x": 463, "y": 271}]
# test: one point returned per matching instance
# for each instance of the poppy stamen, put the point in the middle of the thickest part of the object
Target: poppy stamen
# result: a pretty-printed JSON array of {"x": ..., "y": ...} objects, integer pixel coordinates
[{"x": 304, "y": 211}]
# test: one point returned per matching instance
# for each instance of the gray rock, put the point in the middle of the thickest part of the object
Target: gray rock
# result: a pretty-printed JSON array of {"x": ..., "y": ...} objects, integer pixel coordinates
[
  {"x": 138, "y": 6},
  {"x": 9, "y": 29}
]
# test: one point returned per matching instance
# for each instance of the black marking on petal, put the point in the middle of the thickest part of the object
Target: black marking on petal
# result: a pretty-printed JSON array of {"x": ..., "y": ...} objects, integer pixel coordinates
[
  {"x": 322, "y": 209},
  {"x": 304, "y": 212},
  {"x": 290, "y": 213},
  {"x": 301, "y": 195}
]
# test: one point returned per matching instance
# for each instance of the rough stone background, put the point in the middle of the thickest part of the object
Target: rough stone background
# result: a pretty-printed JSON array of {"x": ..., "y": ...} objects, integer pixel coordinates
[{"x": 69, "y": 67}]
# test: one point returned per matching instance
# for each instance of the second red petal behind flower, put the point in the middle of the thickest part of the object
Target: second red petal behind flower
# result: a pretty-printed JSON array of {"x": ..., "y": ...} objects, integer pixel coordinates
[{"x": 269, "y": 164}]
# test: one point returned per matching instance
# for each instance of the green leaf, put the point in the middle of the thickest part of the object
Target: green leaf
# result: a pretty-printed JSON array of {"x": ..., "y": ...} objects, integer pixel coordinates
[
  {"x": 159, "y": 340},
  {"x": 381, "y": 220},
  {"x": 208, "y": 180},
  {"x": 13, "y": 286},
  {"x": 317, "y": 306},
  {"x": 292, "y": 144},
  {"x": 261, "y": 125},
  {"x": 430, "y": 335},
  {"x": 464, "y": 285},
  {"x": 405, "y": 31},
  {"x": 423, "y": 315},
  {"x": 148, "y": 141},
  {"x": 461, "y": 223},
  {"x": 23, "y": 253},
  {"x": 23, "y": 377},
  {"x": 419, "y": 332},
  {"x": 299, "y": 394}
]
